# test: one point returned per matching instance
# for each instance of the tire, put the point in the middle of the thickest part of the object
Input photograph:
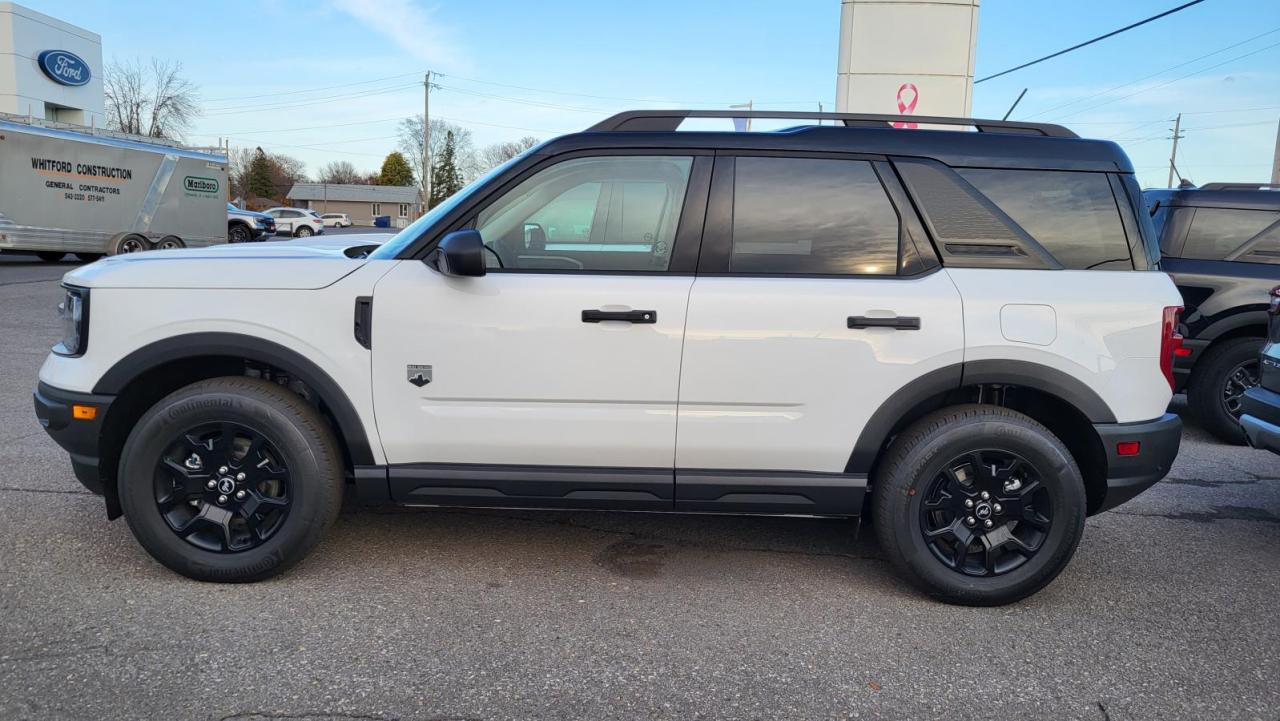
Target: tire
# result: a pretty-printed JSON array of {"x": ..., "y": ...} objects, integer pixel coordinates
[
  {"x": 170, "y": 242},
  {"x": 1205, "y": 393},
  {"x": 50, "y": 256},
  {"x": 88, "y": 257},
  {"x": 239, "y": 233},
  {"x": 303, "y": 232},
  {"x": 131, "y": 243},
  {"x": 1053, "y": 501},
  {"x": 297, "y": 479}
]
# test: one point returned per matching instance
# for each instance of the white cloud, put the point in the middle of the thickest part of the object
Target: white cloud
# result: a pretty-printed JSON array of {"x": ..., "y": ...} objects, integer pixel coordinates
[{"x": 410, "y": 28}]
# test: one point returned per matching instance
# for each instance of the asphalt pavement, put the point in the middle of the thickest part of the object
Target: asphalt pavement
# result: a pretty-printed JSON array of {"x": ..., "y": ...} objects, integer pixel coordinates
[{"x": 1168, "y": 611}]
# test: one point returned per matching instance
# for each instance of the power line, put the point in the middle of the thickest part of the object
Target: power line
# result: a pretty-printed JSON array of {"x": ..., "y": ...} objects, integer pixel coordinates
[
  {"x": 311, "y": 90},
  {"x": 1090, "y": 42},
  {"x": 316, "y": 101},
  {"x": 1162, "y": 71}
]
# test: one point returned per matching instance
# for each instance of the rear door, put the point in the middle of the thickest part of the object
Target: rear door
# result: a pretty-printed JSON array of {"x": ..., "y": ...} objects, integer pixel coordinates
[{"x": 817, "y": 298}]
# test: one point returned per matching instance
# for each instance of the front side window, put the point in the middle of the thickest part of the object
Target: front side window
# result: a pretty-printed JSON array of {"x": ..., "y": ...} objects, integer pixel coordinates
[
  {"x": 1073, "y": 215},
  {"x": 616, "y": 213},
  {"x": 811, "y": 216},
  {"x": 1216, "y": 233}
]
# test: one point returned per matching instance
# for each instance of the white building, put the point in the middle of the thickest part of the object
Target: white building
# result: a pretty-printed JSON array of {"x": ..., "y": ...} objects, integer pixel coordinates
[{"x": 49, "y": 69}]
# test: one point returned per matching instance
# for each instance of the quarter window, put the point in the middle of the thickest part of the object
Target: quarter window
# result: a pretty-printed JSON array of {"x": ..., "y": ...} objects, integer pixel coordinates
[
  {"x": 1218, "y": 232},
  {"x": 589, "y": 214},
  {"x": 1072, "y": 215},
  {"x": 811, "y": 216}
]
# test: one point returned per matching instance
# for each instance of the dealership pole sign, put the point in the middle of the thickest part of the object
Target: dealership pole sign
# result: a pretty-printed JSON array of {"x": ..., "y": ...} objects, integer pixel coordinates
[{"x": 64, "y": 68}]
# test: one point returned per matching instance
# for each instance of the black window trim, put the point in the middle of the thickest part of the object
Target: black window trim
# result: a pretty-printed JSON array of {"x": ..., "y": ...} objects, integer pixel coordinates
[
  {"x": 717, "y": 236},
  {"x": 689, "y": 228}
]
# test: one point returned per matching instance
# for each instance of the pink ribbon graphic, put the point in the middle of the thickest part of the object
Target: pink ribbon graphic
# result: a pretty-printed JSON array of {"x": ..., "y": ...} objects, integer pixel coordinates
[{"x": 907, "y": 108}]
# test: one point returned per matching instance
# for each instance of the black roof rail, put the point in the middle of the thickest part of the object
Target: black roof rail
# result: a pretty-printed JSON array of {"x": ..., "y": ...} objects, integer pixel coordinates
[
  {"x": 669, "y": 120},
  {"x": 1240, "y": 186}
]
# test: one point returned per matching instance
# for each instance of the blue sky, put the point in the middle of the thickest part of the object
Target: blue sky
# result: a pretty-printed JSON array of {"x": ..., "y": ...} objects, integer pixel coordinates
[{"x": 603, "y": 57}]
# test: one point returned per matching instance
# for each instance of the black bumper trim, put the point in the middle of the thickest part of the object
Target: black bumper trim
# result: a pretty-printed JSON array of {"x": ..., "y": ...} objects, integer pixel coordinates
[
  {"x": 79, "y": 438},
  {"x": 1127, "y": 476},
  {"x": 1261, "y": 418}
]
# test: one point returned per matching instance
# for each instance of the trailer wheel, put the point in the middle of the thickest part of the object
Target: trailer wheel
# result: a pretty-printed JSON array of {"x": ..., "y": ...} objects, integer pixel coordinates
[
  {"x": 88, "y": 257},
  {"x": 50, "y": 256},
  {"x": 170, "y": 242},
  {"x": 131, "y": 243}
]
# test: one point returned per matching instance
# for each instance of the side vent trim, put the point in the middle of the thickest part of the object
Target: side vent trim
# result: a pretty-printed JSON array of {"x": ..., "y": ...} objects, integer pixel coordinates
[{"x": 364, "y": 321}]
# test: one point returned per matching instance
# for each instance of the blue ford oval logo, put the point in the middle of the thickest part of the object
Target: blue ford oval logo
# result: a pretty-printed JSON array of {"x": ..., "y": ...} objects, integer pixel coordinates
[{"x": 64, "y": 67}]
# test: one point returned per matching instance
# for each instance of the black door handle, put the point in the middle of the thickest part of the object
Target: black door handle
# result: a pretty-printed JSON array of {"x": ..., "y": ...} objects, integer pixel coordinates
[
  {"x": 626, "y": 316},
  {"x": 896, "y": 323}
]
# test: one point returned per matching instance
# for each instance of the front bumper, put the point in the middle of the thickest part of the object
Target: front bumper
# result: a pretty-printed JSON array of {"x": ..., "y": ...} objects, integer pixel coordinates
[
  {"x": 1261, "y": 418},
  {"x": 1127, "y": 476},
  {"x": 78, "y": 437}
]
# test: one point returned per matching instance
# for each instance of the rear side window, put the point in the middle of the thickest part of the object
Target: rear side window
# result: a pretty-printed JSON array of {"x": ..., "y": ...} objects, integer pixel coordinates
[
  {"x": 1216, "y": 233},
  {"x": 812, "y": 216},
  {"x": 1072, "y": 215}
]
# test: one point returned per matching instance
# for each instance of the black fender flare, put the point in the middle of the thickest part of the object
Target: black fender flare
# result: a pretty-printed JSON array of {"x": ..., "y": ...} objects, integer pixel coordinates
[
  {"x": 198, "y": 345},
  {"x": 1243, "y": 319},
  {"x": 948, "y": 378}
]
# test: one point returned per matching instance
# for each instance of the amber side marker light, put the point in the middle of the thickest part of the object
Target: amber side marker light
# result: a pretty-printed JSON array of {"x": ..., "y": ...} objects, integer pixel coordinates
[
  {"x": 1128, "y": 448},
  {"x": 84, "y": 413}
]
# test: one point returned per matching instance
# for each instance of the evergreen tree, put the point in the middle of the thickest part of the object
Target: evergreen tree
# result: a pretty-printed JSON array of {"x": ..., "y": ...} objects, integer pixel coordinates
[
  {"x": 396, "y": 171},
  {"x": 446, "y": 178},
  {"x": 260, "y": 185}
]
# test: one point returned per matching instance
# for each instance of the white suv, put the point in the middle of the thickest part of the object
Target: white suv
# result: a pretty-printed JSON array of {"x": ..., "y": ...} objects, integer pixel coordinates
[
  {"x": 964, "y": 335},
  {"x": 298, "y": 222}
]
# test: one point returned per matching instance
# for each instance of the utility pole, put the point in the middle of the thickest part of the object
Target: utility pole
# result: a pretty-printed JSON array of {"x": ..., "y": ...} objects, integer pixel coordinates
[
  {"x": 1275, "y": 159},
  {"x": 1173, "y": 156},
  {"x": 426, "y": 141}
]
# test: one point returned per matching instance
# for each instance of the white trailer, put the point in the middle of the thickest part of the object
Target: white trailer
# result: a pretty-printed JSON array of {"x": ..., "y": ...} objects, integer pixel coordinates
[{"x": 73, "y": 190}]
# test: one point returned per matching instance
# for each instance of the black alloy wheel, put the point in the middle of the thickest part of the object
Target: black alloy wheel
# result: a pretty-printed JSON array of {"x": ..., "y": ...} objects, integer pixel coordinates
[
  {"x": 1239, "y": 379},
  {"x": 986, "y": 513},
  {"x": 239, "y": 233},
  {"x": 223, "y": 487}
]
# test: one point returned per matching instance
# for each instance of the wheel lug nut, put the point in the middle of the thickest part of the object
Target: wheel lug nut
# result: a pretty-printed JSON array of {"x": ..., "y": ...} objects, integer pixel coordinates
[
  {"x": 211, "y": 484},
  {"x": 997, "y": 508},
  {"x": 968, "y": 503},
  {"x": 970, "y": 521},
  {"x": 240, "y": 476},
  {"x": 985, "y": 495},
  {"x": 987, "y": 523},
  {"x": 222, "y": 499},
  {"x": 222, "y": 469},
  {"x": 240, "y": 495}
]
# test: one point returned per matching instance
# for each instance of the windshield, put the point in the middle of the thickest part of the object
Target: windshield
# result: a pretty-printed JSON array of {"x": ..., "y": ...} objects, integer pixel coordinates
[{"x": 392, "y": 248}]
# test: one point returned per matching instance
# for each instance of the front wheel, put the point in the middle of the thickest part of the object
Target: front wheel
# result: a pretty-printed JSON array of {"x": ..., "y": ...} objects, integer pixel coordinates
[
  {"x": 239, "y": 233},
  {"x": 230, "y": 479},
  {"x": 979, "y": 505},
  {"x": 303, "y": 231}
]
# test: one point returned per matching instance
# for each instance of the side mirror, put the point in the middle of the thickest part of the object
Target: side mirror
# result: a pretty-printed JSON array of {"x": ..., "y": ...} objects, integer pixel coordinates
[{"x": 460, "y": 254}]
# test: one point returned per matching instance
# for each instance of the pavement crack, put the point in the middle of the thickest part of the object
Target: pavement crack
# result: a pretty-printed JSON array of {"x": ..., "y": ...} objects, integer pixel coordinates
[
  {"x": 17, "y": 489},
  {"x": 1106, "y": 716},
  {"x": 1218, "y": 513}
]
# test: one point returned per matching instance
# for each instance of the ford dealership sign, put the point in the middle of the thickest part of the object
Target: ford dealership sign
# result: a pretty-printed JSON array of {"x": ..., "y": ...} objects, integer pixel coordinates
[{"x": 64, "y": 67}]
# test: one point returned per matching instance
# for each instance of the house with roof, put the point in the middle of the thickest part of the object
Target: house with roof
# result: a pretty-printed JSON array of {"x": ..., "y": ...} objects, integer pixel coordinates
[{"x": 362, "y": 203}]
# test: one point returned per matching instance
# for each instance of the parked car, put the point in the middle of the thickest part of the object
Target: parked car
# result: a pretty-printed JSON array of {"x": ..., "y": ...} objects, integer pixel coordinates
[
  {"x": 1260, "y": 417},
  {"x": 298, "y": 222},
  {"x": 1221, "y": 245},
  {"x": 246, "y": 225},
  {"x": 336, "y": 220},
  {"x": 842, "y": 320}
]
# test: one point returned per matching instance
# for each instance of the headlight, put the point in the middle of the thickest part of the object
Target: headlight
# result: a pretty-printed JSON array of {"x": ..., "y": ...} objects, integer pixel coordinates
[{"x": 74, "y": 311}]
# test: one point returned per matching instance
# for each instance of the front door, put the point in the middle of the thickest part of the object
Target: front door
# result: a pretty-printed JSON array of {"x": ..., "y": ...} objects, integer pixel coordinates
[{"x": 553, "y": 379}]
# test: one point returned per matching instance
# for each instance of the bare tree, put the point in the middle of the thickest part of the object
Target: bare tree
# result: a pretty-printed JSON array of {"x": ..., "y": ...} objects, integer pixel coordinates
[
  {"x": 155, "y": 101},
  {"x": 410, "y": 143},
  {"x": 341, "y": 172},
  {"x": 491, "y": 156}
]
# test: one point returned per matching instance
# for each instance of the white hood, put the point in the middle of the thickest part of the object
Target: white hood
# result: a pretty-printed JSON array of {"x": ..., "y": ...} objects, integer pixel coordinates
[{"x": 285, "y": 265}]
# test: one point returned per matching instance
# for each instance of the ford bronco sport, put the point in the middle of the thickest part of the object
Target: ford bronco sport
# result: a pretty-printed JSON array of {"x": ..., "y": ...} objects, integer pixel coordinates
[
  {"x": 963, "y": 335},
  {"x": 1221, "y": 246}
]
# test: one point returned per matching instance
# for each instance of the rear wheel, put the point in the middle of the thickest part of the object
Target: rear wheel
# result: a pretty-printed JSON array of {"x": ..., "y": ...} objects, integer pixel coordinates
[
  {"x": 230, "y": 479},
  {"x": 170, "y": 242},
  {"x": 1226, "y": 371},
  {"x": 979, "y": 505},
  {"x": 50, "y": 256},
  {"x": 131, "y": 243},
  {"x": 303, "y": 231}
]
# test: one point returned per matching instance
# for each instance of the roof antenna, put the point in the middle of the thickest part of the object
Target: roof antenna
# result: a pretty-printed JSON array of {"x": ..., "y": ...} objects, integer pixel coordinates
[
  {"x": 1183, "y": 183},
  {"x": 1015, "y": 104}
]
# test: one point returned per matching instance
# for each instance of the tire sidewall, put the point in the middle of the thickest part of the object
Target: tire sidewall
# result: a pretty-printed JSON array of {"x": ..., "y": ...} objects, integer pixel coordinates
[
  {"x": 1058, "y": 473},
  {"x": 1207, "y": 385},
  {"x": 308, "y": 483}
]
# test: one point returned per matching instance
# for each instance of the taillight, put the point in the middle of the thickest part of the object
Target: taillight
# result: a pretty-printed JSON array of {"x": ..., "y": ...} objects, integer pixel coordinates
[{"x": 1170, "y": 342}]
